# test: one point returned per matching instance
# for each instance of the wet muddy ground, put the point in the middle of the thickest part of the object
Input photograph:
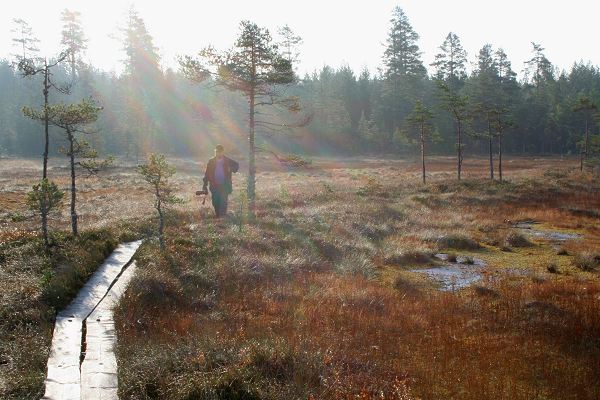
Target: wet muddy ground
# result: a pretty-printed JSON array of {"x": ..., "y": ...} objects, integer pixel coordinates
[{"x": 454, "y": 275}]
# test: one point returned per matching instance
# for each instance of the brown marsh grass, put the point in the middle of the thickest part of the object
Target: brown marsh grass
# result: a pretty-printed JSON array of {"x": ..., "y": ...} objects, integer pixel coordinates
[{"x": 317, "y": 298}]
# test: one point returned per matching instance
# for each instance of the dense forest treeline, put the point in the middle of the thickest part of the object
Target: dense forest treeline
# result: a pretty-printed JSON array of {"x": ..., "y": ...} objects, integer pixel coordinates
[{"x": 148, "y": 108}]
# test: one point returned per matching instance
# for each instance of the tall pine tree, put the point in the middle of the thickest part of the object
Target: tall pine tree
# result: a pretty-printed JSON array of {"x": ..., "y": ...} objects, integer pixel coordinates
[
  {"x": 450, "y": 63},
  {"x": 73, "y": 39},
  {"x": 254, "y": 67},
  {"x": 485, "y": 96},
  {"x": 142, "y": 84},
  {"x": 24, "y": 41},
  {"x": 404, "y": 71}
]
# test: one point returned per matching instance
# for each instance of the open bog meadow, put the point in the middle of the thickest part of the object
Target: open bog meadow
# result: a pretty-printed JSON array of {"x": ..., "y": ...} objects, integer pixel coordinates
[
  {"x": 354, "y": 281},
  {"x": 237, "y": 201}
]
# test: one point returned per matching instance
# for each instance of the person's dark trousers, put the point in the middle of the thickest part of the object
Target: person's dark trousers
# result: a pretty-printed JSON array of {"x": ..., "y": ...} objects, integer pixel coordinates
[{"x": 219, "y": 200}]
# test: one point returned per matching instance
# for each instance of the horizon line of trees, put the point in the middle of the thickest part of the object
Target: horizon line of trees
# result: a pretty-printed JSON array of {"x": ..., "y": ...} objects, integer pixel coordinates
[
  {"x": 252, "y": 91},
  {"x": 148, "y": 109}
]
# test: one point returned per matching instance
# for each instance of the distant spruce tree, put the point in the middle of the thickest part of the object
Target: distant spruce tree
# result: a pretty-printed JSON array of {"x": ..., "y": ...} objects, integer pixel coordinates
[
  {"x": 255, "y": 67},
  {"x": 364, "y": 93},
  {"x": 484, "y": 88},
  {"x": 348, "y": 93},
  {"x": 289, "y": 43},
  {"x": 367, "y": 130},
  {"x": 332, "y": 101},
  {"x": 403, "y": 72},
  {"x": 504, "y": 66},
  {"x": 450, "y": 74},
  {"x": 586, "y": 106},
  {"x": 24, "y": 41},
  {"x": 508, "y": 95},
  {"x": 141, "y": 56},
  {"x": 402, "y": 56},
  {"x": 538, "y": 69},
  {"x": 457, "y": 104},
  {"x": 73, "y": 39},
  {"x": 451, "y": 62},
  {"x": 141, "y": 85},
  {"x": 539, "y": 80},
  {"x": 501, "y": 121},
  {"x": 594, "y": 149}
]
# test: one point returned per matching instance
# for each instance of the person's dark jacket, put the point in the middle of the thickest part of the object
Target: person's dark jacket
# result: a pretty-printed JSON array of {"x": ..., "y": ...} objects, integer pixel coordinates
[{"x": 230, "y": 166}]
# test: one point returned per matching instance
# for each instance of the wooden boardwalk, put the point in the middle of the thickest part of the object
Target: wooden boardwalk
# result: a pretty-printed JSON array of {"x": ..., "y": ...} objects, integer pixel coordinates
[{"x": 90, "y": 374}]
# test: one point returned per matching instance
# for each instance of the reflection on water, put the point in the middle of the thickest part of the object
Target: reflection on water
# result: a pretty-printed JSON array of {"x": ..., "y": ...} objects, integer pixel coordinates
[
  {"x": 454, "y": 276},
  {"x": 531, "y": 230}
]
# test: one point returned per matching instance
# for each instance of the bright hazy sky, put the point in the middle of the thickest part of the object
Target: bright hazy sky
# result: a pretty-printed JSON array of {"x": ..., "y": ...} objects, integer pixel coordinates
[{"x": 335, "y": 32}]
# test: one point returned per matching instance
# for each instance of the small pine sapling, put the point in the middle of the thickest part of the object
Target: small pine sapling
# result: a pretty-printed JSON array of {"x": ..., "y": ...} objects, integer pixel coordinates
[
  {"x": 42, "y": 199},
  {"x": 157, "y": 172}
]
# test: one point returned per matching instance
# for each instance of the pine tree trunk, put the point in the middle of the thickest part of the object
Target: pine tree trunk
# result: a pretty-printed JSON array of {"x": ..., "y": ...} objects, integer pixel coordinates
[
  {"x": 45, "y": 221},
  {"x": 586, "y": 144},
  {"x": 73, "y": 187},
  {"x": 491, "y": 142},
  {"x": 251, "y": 189},
  {"x": 423, "y": 152},
  {"x": 46, "y": 150},
  {"x": 161, "y": 224},
  {"x": 500, "y": 156},
  {"x": 543, "y": 144},
  {"x": 127, "y": 146},
  {"x": 46, "y": 122},
  {"x": 73, "y": 66},
  {"x": 459, "y": 147}
]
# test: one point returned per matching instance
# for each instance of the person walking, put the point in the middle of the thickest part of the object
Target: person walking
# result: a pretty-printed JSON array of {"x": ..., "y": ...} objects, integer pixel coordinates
[{"x": 218, "y": 178}]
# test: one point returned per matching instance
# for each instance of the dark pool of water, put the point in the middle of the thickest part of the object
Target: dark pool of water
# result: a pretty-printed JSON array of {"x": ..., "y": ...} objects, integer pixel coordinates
[{"x": 455, "y": 275}]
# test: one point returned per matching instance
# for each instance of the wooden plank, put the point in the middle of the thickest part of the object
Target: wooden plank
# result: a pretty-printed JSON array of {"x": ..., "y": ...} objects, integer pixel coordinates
[
  {"x": 63, "y": 379},
  {"x": 99, "y": 368}
]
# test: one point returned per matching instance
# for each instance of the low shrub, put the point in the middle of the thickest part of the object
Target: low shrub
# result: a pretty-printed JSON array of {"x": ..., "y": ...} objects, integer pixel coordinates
[
  {"x": 457, "y": 241},
  {"x": 556, "y": 173},
  {"x": 410, "y": 257},
  {"x": 356, "y": 264},
  {"x": 407, "y": 287},
  {"x": 156, "y": 292},
  {"x": 467, "y": 260},
  {"x": 373, "y": 188},
  {"x": 584, "y": 212},
  {"x": 515, "y": 239},
  {"x": 217, "y": 368},
  {"x": 373, "y": 232},
  {"x": 552, "y": 268},
  {"x": 485, "y": 291},
  {"x": 587, "y": 261}
]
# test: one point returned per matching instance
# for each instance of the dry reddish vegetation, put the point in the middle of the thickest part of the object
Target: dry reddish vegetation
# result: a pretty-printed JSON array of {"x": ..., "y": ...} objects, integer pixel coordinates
[{"x": 316, "y": 299}]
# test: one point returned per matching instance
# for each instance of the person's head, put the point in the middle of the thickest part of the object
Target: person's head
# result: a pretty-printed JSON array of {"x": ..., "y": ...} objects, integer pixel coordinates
[{"x": 219, "y": 151}]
